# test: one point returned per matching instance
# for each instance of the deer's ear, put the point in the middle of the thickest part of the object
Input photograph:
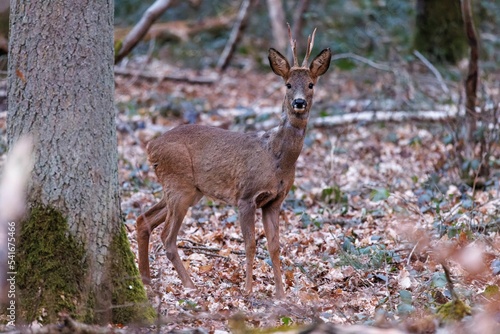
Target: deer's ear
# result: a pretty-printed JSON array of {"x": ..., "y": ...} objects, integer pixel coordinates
[
  {"x": 321, "y": 63},
  {"x": 278, "y": 63}
]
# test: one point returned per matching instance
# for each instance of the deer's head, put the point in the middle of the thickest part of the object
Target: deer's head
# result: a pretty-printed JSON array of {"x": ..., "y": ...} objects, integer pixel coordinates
[{"x": 299, "y": 80}]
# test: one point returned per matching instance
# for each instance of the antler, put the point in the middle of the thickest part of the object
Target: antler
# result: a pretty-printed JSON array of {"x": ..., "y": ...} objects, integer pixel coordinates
[
  {"x": 310, "y": 43},
  {"x": 293, "y": 44}
]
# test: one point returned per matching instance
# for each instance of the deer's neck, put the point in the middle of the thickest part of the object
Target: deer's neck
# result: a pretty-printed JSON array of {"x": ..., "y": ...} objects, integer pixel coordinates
[{"x": 287, "y": 140}]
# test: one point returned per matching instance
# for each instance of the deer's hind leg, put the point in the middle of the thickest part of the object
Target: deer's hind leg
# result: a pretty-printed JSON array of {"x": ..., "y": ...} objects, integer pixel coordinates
[
  {"x": 178, "y": 202},
  {"x": 146, "y": 223}
]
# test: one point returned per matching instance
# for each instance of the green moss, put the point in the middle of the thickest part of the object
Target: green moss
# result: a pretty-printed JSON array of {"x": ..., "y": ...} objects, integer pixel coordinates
[
  {"x": 118, "y": 46},
  {"x": 53, "y": 276},
  {"x": 51, "y": 266},
  {"x": 130, "y": 302},
  {"x": 492, "y": 291},
  {"x": 454, "y": 310}
]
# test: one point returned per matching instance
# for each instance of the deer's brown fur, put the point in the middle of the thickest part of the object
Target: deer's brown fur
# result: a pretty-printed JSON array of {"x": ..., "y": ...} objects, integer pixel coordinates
[{"x": 247, "y": 170}]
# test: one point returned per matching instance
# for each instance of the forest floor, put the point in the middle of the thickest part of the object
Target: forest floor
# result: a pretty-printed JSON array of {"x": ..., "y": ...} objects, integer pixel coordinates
[{"x": 376, "y": 211}]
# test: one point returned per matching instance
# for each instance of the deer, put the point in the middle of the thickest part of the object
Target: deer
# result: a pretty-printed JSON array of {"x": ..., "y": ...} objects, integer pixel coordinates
[{"x": 248, "y": 170}]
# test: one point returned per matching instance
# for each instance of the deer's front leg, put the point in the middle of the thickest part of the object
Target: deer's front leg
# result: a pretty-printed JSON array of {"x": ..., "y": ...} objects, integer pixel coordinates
[
  {"x": 270, "y": 220},
  {"x": 247, "y": 220}
]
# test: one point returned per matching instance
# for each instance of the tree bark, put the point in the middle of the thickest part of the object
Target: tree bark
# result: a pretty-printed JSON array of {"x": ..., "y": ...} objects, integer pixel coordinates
[
  {"x": 439, "y": 30},
  {"x": 61, "y": 94}
]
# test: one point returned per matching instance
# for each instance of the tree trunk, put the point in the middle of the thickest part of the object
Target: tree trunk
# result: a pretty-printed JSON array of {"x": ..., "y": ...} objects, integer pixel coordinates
[
  {"x": 278, "y": 24},
  {"x": 72, "y": 254},
  {"x": 439, "y": 30},
  {"x": 298, "y": 21}
]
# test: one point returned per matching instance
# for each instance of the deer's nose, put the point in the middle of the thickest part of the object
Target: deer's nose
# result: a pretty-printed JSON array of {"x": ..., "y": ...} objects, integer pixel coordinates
[{"x": 299, "y": 104}]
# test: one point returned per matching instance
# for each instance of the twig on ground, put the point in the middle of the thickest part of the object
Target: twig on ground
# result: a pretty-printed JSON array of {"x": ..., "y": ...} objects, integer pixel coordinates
[
  {"x": 202, "y": 250},
  {"x": 449, "y": 281},
  {"x": 210, "y": 251},
  {"x": 161, "y": 77},
  {"x": 385, "y": 116},
  {"x": 69, "y": 325},
  {"x": 194, "y": 242},
  {"x": 355, "y": 117},
  {"x": 343, "y": 221},
  {"x": 411, "y": 253}
]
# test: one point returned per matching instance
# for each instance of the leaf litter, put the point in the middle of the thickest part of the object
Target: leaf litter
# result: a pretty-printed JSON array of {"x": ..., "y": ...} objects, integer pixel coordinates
[{"x": 363, "y": 232}]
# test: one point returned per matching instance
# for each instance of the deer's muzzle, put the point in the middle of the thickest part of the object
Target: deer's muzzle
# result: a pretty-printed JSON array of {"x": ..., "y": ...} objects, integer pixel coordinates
[{"x": 299, "y": 104}]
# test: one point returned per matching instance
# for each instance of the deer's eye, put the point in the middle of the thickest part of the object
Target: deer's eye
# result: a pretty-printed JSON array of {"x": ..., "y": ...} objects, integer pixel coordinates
[
  {"x": 311, "y": 85},
  {"x": 288, "y": 86}
]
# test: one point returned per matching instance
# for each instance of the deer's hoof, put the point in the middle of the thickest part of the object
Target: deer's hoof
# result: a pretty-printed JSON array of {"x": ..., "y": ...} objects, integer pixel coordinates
[{"x": 247, "y": 292}]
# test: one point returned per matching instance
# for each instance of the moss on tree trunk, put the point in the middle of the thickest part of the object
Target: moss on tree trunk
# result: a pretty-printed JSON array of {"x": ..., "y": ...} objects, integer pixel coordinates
[
  {"x": 439, "y": 31},
  {"x": 51, "y": 264},
  {"x": 52, "y": 267},
  {"x": 129, "y": 297}
]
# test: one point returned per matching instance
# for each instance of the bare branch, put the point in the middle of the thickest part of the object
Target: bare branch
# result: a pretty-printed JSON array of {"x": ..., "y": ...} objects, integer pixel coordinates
[
  {"x": 238, "y": 28},
  {"x": 434, "y": 71},
  {"x": 141, "y": 28},
  {"x": 293, "y": 45},
  {"x": 361, "y": 59}
]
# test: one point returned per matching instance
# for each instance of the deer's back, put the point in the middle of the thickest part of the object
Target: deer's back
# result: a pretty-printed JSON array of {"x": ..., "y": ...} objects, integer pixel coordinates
[{"x": 221, "y": 164}]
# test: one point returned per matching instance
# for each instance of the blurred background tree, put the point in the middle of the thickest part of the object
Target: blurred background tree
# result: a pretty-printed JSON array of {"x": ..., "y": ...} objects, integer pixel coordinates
[
  {"x": 439, "y": 30},
  {"x": 4, "y": 25}
]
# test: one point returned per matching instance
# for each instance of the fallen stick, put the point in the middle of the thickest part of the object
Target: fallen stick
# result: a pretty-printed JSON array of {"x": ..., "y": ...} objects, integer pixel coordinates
[
  {"x": 161, "y": 77},
  {"x": 385, "y": 116},
  {"x": 354, "y": 117}
]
